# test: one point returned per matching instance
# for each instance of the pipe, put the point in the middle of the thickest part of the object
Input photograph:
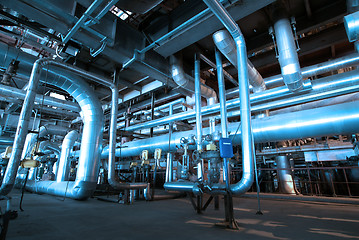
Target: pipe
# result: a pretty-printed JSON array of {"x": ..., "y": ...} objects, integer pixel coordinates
[
  {"x": 95, "y": 4},
  {"x": 48, "y": 145},
  {"x": 351, "y": 23},
  {"x": 284, "y": 175},
  {"x": 39, "y": 99},
  {"x": 224, "y": 120},
  {"x": 331, "y": 86},
  {"x": 315, "y": 70},
  {"x": 86, "y": 178},
  {"x": 227, "y": 47},
  {"x": 21, "y": 131},
  {"x": 101, "y": 14},
  {"x": 47, "y": 129},
  {"x": 198, "y": 102},
  {"x": 287, "y": 55},
  {"x": 64, "y": 161},
  {"x": 185, "y": 81},
  {"x": 6, "y": 140}
]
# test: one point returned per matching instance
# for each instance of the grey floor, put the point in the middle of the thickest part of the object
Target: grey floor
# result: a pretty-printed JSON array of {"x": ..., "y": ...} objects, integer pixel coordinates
[{"x": 48, "y": 217}]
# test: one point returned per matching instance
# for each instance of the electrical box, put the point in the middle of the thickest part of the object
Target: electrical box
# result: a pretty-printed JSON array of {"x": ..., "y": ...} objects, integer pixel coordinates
[{"x": 226, "y": 148}]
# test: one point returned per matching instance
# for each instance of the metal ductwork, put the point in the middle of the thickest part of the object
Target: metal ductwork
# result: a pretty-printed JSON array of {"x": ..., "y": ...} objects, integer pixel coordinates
[
  {"x": 287, "y": 55},
  {"x": 187, "y": 82},
  {"x": 227, "y": 47},
  {"x": 64, "y": 161}
]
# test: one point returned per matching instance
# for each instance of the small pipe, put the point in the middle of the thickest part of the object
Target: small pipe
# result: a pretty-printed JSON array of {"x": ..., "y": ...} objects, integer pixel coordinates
[{"x": 197, "y": 81}]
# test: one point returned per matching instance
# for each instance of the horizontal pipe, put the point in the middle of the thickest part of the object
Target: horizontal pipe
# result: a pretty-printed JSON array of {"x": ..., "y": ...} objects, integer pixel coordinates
[
  {"x": 324, "y": 121},
  {"x": 39, "y": 99}
]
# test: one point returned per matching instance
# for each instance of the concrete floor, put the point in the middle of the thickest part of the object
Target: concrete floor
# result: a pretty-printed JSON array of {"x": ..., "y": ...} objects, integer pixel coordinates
[{"x": 48, "y": 217}]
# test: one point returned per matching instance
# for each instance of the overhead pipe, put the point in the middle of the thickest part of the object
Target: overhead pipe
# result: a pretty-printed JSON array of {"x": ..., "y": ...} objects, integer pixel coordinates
[
  {"x": 39, "y": 99},
  {"x": 64, "y": 160},
  {"x": 310, "y": 71},
  {"x": 287, "y": 55},
  {"x": 227, "y": 47},
  {"x": 6, "y": 140},
  {"x": 331, "y": 86},
  {"x": 198, "y": 104},
  {"x": 323, "y": 121},
  {"x": 187, "y": 82}
]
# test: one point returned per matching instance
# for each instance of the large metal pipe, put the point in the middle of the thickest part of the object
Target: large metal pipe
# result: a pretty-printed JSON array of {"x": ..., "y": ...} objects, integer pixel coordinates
[
  {"x": 187, "y": 82},
  {"x": 317, "y": 69},
  {"x": 227, "y": 47},
  {"x": 39, "y": 99},
  {"x": 64, "y": 161},
  {"x": 287, "y": 55},
  {"x": 198, "y": 103},
  {"x": 331, "y": 86},
  {"x": 323, "y": 121},
  {"x": 285, "y": 178}
]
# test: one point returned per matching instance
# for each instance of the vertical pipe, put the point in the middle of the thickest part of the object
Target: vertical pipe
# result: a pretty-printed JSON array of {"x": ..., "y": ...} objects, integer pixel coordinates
[
  {"x": 245, "y": 108},
  {"x": 21, "y": 131},
  {"x": 284, "y": 175},
  {"x": 223, "y": 108},
  {"x": 287, "y": 55},
  {"x": 197, "y": 79}
]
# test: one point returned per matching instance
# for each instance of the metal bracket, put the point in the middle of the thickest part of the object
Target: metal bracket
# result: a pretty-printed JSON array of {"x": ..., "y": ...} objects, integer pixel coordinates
[{"x": 94, "y": 52}]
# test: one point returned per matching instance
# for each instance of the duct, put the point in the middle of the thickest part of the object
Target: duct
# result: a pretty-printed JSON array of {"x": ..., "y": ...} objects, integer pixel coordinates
[
  {"x": 314, "y": 70},
  {"x": 285, "y": 178},
  {"x": 227, "y": 47},
  {"x": 39, "y": 99},
  {"x": 198, "y": 103},
  {"x": 287, "y": 55},
  {"x": 64, "y": 161},
  {"x": 323, "y": 121},
  {"x": 185, "y": 81}
]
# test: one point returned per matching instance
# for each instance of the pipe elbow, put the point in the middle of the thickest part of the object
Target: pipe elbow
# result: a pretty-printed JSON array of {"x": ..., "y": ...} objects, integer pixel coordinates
[
  {"x": 82, "y": 190},
  {"x": 243, "y": 185}
]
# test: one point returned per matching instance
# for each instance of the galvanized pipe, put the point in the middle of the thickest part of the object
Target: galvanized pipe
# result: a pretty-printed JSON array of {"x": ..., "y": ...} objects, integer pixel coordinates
[
  {"x": 64, "y": 161},
  {"x": 227, "y": 47},
  {"x": 287, "y": 55}
]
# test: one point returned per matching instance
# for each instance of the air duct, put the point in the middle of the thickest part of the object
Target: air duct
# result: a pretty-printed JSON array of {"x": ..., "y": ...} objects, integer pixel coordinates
[
  {"x": 287, "y": 55},
  {"x": 227, "y": 47},
  {"x": 64, "y": 162}
]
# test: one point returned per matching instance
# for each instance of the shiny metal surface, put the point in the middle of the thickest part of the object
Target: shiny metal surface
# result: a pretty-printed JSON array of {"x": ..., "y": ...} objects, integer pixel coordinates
[
  {"x": 227, "y": 47},
  {"x": 287, "y": 55},
  {"x": 64, "y": 161},
  {"x": 285, "y": 178},
  {"x": 351, "y": 23}
]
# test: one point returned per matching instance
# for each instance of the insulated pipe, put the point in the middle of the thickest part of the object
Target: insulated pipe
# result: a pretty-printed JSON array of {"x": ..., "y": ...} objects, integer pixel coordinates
[
  {"x": 64, "y": 161},
  {"x": 331, "y": 86},
  {"x": 287, "y": 55},
  {"x": 227, "y": 47},
  {"x": 47, "y": 145},
  {"x": 39, "y": 99},
  {"x": 6, "y": 140},
  {"x": 197, "y": 81},
  {"x": 284, "y": 175},
  {"x": 21, "y": 131},
  {"x": 224, "y": 120},
  {"x": 185, "y": 81},
  {"x": 323, "y": 121}
]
